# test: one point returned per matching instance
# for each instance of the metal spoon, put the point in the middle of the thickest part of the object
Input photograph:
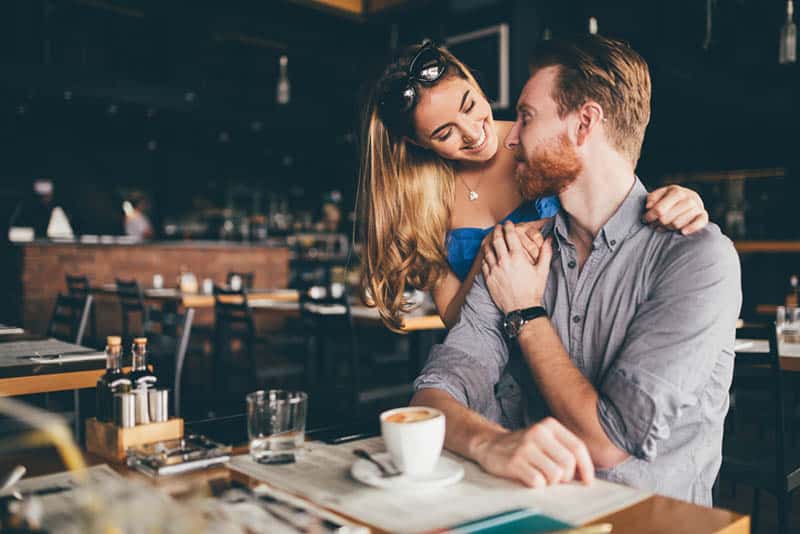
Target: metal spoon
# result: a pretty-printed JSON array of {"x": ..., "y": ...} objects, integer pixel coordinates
[{"x": 385, "y": 472}]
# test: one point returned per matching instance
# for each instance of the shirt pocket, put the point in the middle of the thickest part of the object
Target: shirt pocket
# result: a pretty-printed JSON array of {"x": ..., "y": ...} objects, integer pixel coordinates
[{"x": 509, "y": 397}]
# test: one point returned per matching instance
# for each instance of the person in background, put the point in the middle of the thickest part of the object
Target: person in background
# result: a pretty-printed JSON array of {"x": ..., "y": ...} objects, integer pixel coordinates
[
  {"x": 137, "y": 224},
  {"x": 435, "y": 180},
  {"x": 42, "y": 213}
]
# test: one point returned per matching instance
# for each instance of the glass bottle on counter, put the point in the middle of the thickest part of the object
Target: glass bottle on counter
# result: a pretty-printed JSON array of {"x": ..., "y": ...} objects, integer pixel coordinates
[
  {"x": 140, "y": 375},
  {"x": 113, "y": 381}
]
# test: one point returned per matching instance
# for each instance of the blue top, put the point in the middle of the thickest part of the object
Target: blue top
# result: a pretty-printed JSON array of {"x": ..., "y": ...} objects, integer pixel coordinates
[{"x": 463, "y": 243}]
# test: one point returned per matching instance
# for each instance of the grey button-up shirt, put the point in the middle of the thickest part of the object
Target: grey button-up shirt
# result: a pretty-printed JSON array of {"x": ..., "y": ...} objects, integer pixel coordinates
[{"x": 650, "y": 321}]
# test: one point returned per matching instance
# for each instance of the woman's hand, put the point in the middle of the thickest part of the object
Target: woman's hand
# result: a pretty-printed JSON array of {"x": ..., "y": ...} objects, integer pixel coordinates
[
  {"x": 676, "y": 208},
  {"x": 516, "y": 267}
]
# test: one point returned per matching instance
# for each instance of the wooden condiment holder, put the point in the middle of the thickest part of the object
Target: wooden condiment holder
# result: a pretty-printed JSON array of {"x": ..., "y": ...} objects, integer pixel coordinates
[{"x": 111, "y": 442}]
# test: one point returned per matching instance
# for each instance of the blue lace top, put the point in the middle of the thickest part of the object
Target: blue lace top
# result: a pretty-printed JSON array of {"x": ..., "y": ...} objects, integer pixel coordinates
[{"x": 463, "y": 243}]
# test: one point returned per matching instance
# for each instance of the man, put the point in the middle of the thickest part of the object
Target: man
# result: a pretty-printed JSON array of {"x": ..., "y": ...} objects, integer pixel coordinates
[{"x": 630, "y": 356}]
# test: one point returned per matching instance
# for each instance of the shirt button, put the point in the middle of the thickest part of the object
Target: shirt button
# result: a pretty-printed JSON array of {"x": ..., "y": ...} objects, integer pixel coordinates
[
  {"x": 576, "y": 318},
  {"x": 613, "y": 242},
  {"x": 571, "y": 264}
]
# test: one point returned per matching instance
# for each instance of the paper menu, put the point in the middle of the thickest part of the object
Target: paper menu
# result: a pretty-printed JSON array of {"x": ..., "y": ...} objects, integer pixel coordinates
[{"x": 322, "y": 476}]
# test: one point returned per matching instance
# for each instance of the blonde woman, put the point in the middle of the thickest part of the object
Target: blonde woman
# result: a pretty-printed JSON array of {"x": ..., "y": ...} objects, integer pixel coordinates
[{"x": 435, "y": 180}]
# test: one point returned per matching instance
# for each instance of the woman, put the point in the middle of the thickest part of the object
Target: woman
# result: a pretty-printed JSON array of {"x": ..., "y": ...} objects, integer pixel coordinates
[{"x": 435, "y": 180}]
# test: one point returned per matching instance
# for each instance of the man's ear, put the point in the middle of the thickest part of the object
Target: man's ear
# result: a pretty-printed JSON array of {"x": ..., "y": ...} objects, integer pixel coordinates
[{"x": 590, "y": 115}]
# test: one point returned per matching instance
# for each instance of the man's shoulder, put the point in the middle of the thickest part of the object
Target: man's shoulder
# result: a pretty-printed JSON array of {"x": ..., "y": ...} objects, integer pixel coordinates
[{"x": 706, "y": 249}]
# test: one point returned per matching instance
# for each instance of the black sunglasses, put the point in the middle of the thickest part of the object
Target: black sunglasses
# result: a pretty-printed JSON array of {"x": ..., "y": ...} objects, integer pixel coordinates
[{"x": 427, "y": 66}]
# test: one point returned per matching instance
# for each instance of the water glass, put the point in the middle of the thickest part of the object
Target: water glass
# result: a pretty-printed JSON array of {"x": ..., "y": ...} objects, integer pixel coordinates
[
  {"x": 158, "y": 281},
  {"x": 276, "y": 424},
  {"x": 780, "y": 317}
]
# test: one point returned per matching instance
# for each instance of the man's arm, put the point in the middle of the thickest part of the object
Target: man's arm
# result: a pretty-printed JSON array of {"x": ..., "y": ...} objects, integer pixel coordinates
[
  {"x": 459, "y": 379},
  {"x": 671, "y": 347},
  {"x": 569, "y": 395},
  {"x": 545, "y": 453}
]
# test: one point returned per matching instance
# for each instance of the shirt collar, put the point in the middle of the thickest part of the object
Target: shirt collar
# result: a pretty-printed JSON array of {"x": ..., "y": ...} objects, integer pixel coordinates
[{"x": 618, "y": 227}]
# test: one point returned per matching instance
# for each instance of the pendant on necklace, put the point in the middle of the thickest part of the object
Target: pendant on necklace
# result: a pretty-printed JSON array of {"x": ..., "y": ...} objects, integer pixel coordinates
[{"x": 473, "y": 195}]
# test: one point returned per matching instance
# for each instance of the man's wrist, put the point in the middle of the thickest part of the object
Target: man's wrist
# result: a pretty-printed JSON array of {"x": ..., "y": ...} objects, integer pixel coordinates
[{"x": 479, "y": 443}]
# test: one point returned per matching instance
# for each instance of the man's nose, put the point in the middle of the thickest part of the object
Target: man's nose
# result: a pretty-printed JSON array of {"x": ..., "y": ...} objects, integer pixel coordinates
[{"x": 512, "y": 138}]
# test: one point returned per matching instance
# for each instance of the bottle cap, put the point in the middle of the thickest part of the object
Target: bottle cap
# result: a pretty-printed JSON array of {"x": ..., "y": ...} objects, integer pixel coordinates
[
  {"x": 113, "y": 340},
  {"x": 140, "y": 341}
]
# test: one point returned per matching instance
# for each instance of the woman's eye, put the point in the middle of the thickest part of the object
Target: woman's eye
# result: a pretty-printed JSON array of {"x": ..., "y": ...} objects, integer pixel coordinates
[
  {"x": 445, "y": 136},
  {"x": 472, "y": 105}
]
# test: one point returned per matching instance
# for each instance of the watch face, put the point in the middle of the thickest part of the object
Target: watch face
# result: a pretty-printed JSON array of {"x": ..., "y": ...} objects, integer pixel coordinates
[{"x": 514, "y": 322}]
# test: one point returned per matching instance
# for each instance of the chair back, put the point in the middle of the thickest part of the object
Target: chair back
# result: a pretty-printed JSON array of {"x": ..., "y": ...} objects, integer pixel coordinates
[
  {"x": 771, "y": 364},
  {"x": 131, "y": 302},
  {"x": 233, "y": 318},
  {"x": 168, "y": 349},
  {"x": 78, "y": 285},
  {"x": 246, "y": 279},
  {"x": 69, "y": 319}
]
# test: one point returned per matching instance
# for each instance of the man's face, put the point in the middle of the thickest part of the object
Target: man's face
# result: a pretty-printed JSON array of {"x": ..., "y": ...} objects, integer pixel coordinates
[{"x": 547, "y": 159}]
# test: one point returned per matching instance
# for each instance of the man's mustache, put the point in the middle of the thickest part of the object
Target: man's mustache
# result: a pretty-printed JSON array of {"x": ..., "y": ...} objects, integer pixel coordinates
[{"x": 519, "y": 156}]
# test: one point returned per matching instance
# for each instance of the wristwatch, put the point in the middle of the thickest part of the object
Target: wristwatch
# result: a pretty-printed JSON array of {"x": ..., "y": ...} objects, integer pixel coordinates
[{"x": 515, "y": 320}]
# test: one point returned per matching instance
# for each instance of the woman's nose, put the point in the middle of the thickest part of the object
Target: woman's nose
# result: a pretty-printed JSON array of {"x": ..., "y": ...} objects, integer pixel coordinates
[{"x": 471, "y": 132}]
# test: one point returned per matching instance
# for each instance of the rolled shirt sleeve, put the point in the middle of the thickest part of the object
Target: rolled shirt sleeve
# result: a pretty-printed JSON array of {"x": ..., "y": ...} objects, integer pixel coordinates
[
  {"x": 468, "y": 364},
  {"x": 680, "y": 336}
]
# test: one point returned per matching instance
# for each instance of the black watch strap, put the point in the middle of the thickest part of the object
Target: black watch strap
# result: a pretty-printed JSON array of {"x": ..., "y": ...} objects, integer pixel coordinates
[
  {"x": 529, "y": 314},
  {"x": 515, "y": 320}
]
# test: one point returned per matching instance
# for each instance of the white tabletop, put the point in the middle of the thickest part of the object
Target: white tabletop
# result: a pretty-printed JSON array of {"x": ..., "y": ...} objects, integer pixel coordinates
[{"x": 785, "y": 350}]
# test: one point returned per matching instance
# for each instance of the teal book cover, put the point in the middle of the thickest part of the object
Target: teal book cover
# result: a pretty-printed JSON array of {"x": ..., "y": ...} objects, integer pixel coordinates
[{"x": 519, "y": 521}]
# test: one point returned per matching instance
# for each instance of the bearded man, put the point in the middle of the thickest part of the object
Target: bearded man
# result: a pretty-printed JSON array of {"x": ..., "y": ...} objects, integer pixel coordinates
[{"x": 607, "y": 345}]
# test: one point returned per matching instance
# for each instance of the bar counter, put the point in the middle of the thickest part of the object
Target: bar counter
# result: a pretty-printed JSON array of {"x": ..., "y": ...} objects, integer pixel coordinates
[{"x": 43, "y": 265}]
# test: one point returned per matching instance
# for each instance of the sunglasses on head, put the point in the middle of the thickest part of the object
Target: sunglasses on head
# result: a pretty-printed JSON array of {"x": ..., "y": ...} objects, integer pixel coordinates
[{"x": 426, "y": 67}]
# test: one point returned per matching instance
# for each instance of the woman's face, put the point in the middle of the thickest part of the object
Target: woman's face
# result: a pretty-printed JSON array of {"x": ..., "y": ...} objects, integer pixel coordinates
[{"x": 454, "y": 120}]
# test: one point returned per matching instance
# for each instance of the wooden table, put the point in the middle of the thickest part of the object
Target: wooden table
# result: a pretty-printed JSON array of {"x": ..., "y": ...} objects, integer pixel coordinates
[
  {"x": 789, "y": 352},
  {"x": 656, "y": 514}
]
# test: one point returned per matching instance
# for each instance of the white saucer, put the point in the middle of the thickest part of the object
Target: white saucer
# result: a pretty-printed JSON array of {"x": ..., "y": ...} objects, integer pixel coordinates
[{"x": 446, "y": 473}]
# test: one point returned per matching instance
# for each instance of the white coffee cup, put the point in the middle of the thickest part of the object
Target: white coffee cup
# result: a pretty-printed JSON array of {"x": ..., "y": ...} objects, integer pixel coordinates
[{"x": 414, "y": 437}]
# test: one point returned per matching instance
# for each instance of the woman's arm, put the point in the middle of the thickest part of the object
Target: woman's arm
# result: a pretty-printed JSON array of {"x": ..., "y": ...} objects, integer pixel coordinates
[
  {"x": 449, "y": 295},
  {"x": 451, "y": 292}
]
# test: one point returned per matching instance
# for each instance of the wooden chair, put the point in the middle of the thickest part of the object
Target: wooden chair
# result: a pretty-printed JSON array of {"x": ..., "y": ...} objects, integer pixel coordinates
[
  {"x": 131, "y": 302},
  {"x": 328, "y": 318},
  {"x": 233, "y": 323},
  {"x": 69, "y": 319},
  {"x": 78, "y": 286},
  {"x": 766, "y": 466},
  {"x": 168, "y": 350}
]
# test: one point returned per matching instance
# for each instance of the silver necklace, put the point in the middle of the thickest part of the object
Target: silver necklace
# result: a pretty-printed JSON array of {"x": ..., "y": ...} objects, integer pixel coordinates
[{"x": 472, "y": 194}]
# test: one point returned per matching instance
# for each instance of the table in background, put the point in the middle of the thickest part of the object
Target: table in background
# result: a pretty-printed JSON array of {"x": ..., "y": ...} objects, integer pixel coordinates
[
  {"x": 789, "y": 352},
  {"x": 21, "y": 376}
]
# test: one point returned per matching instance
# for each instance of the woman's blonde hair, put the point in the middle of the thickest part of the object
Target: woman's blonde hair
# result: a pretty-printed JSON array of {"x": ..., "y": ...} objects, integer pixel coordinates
[{"x": 405, "y": 197}]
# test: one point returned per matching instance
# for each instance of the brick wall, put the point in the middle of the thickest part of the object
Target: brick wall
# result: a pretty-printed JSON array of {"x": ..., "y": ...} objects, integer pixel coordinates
[{"x": 44, "y": 266}]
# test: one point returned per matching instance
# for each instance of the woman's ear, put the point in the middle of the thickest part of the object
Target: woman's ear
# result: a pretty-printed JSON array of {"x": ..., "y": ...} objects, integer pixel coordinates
[{"x": 414, "y": 142}]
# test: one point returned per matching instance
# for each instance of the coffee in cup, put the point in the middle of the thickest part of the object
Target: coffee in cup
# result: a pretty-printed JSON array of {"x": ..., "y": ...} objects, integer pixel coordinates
[{"x": 414, "y": 437}]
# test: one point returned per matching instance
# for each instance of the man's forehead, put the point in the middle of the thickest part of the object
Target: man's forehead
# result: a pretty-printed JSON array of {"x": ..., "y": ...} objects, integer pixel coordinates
[{"x": 538, "y": 90}]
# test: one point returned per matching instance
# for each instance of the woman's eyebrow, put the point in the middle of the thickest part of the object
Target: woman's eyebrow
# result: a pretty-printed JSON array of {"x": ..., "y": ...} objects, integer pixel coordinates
[{"x": 460, "y": 108}]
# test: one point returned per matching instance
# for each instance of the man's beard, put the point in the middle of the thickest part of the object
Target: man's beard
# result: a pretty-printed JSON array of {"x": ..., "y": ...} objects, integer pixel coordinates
[{"x": 554, "y": 166}]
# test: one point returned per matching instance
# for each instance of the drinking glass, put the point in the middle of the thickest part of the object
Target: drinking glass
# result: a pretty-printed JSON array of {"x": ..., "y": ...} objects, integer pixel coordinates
[
  {"x": 780, "y": 317},
  {"x": 276, "y": 424}
]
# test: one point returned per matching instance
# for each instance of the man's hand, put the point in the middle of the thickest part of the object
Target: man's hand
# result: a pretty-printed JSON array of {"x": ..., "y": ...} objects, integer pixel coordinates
[
  {"x": 676, "y": 208},
  {"x": 541, "y": 455},
  {"x": 516, "y": 267}
]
